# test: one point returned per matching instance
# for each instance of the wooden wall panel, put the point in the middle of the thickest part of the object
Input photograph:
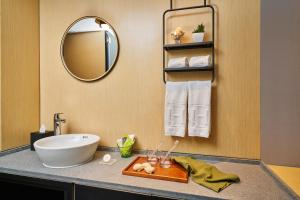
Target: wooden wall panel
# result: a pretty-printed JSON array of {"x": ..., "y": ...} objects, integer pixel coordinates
[
  {"x": 20, "y": 71},
  {"x": 131, "y": 98}
]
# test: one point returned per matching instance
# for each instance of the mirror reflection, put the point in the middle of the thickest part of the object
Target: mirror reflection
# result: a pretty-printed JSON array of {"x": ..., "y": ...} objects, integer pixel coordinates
[{"x": 89, "y": 48}]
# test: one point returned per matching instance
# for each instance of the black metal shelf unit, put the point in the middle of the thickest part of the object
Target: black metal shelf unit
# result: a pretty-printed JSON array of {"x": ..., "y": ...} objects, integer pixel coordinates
[
  {"x": 188, "y": 69},
  {"x": 196, "y": 45}
]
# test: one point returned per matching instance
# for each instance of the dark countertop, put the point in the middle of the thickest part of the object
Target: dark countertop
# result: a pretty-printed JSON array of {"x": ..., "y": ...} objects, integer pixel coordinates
[{"x": 255, "y": 183}]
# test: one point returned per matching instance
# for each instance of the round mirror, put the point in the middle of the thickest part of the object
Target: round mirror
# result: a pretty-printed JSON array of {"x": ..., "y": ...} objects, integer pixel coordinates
[{"x": 89, "y": 48}]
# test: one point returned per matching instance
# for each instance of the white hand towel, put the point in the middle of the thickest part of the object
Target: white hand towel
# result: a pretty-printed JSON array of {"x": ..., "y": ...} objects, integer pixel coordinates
[
  {"x": 175, "y": 108},
  {"x": 178, "y": 62},
  {"x": 199, "y": 108},
  {"x": 199, "y": 61}
]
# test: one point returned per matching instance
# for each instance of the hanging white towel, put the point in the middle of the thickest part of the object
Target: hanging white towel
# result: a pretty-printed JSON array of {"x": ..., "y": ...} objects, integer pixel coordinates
[
  {"x": 200, "y": 61},
  {"x": 199, "y": 108},
  {"x": 178, "y": 62},
  {"x": 175, "y": 108}
]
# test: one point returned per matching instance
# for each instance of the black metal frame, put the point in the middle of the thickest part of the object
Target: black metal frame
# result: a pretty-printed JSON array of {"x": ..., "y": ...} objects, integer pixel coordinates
[
  {"x": 106, "y": 51},
  {"x": 190, "y": 46}
]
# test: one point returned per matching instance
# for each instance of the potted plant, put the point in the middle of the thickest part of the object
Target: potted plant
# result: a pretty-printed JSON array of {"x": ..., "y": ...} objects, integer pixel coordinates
[{"x": 198, "y": 33}]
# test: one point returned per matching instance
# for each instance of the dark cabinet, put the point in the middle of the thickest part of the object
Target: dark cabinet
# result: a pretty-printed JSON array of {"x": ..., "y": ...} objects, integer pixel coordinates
[
  {"x": 92, "y": 193},
  {"x": 19, "y": 187}
]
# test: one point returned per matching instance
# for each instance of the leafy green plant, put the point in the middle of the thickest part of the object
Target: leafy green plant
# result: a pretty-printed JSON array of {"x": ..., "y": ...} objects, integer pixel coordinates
[{"x": 200, "y": 29}]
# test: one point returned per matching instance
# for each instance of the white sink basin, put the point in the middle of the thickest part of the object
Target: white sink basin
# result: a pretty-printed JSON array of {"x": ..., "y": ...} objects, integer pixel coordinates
[{"x": 69, "y": 150}]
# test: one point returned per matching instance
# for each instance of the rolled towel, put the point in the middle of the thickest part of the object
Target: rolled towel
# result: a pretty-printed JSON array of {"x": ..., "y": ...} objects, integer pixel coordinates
[
  {"x": 178, "y": 62},
  {"x": 199, "y": 97},
  {"x": 176, "y": 108},
  {"x": 199, "y": 61}
]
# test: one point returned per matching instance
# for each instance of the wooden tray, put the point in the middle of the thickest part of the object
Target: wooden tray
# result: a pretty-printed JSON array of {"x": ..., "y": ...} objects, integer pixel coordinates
[{"x": 175, "y": 173}]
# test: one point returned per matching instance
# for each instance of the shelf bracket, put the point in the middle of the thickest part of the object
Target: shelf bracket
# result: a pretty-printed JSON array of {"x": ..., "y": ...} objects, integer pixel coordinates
[{"x": 171, "y": 4}]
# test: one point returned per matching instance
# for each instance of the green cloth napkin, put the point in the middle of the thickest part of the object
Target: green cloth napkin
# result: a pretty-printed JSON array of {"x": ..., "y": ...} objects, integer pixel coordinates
[{"x": 206, "y": 175}]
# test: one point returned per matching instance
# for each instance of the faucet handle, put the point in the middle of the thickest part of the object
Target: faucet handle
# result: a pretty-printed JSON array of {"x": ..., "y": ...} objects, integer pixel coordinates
[
  {"x": 57, "y": 115},
  {"x": 57, "y": 123}
]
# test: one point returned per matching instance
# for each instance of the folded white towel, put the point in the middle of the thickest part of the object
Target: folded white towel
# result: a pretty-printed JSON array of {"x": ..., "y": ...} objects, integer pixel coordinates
[
  {"x": 175, "y": 108},
  {"x": 199, "y": 61},
  {"x": 199, "y": 108},
  {"x": 178, "y": 62}
]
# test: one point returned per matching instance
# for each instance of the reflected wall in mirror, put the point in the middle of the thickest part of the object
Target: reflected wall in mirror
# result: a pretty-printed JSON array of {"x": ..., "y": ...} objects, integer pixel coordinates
[{"x": 89, "y": 48}]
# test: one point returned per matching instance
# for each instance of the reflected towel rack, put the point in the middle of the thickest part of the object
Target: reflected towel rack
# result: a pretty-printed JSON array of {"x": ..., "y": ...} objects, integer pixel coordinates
[{"x": 196, "y": 45}]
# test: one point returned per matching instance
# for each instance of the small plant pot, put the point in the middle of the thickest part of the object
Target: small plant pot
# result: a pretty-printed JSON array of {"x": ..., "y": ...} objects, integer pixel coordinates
[
  {"x": 198, "y": 37},
  {"x": 177, "y": 41}
]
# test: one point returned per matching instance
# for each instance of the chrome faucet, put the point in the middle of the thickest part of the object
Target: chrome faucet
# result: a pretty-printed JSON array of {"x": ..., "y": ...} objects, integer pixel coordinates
[{"x": 57, "y": 123}]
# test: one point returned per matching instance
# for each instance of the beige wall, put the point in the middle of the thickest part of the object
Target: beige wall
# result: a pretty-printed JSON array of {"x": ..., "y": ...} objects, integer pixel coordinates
[
  {"x": 131, "y": 98},
  {"x": 84, "y": 54},
  {"x": 20, "y": 71},
  {"x": 280, "y": 89}
]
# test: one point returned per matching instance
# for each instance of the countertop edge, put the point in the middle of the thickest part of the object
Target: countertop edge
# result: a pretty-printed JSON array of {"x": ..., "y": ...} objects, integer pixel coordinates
[{"x": 106, "y": 185}]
